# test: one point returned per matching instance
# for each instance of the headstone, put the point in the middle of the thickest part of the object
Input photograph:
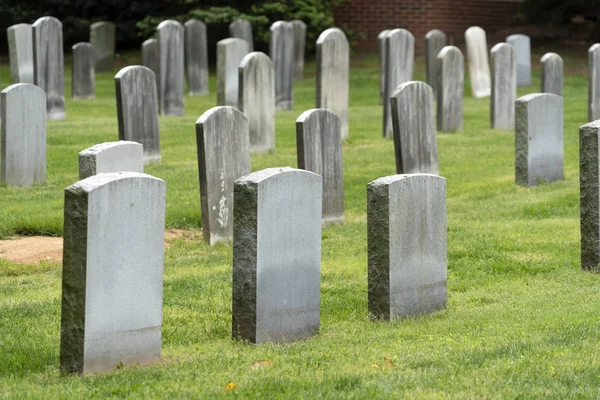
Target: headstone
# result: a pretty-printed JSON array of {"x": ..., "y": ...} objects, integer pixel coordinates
[
  {"x": 230, "y": 53},
  {"x": 223, "y": 156},
  {"x": 20, "y": 50},
  {"x": 539, "y": 142},
  {"x": 414, "y": 129},
  {"x": 381, "y": 47},
  {"x": 479, "y": 66},
  {"x": 504, "y": 87},
  {"x": 299, "y": 45},
  {"x": 399, "y": 58},
  {"x": 282, "y": 53},
  {"x": 170, "y": 35},
  {"x": 276, "y": 256},
  {"x": 333, "y": 74},
  {"x": 257, "y": 100},
  {"x": 48, "y": 64},
  {"x": 242, "y": 29},
  {"x": 102, "y": 38},
  {"x": 594, "y": 82},
  {"x": 406, "y": 226},
  {"x": 450, "y": 84},
  {"x": 196, "y": 57},
  {"x": 121, "y": 156},
  {"x": 589, "y": 195},
  {"x": 552, "y": 74},
  {"x": 137, "y": 109},
  {"x": 435, "y": 40},
  {"x": 112, "y": 277},
  {"x": 319, "y": 148},
  {"x": 83, "y": 81},
  {"x": 522, "y": 45},
  {"x": 23, "y": 152},
  {"x": 150, "y": 58}
]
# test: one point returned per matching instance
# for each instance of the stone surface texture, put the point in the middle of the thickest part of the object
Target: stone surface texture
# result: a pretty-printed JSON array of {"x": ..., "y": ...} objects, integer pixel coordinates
[
  {"x": 504, "y": 87},
  {"x": 121, "y": 156},
  {"x": 589, "y": 195},
  {"x": 551, "y": 75},
  {"x": 112, "y": 280},
  {"x": 223, "y": 156},
  {"x": 381, "y": 52},
  {"x": 407, "y": 245},
  {"x": 299, "y": 45},
  {"x": 170, "y": 36},
  {"x": 333, "y": 74},
  {"x": 435, "y": 40},
  {"x": 522, "y": 45},
  {"x": 83, "y": 80},
  {"x": 276, "y": 256},
  {"x": 20, "y": 51},
  {"x": 230, "y": 53},
  {"x": 281, "y": 51},
  {"x": 479, "y": 66},
  {"x": 319, "y": 148},
  {"x": 450, "y": 84},
  {"x": 151, "y": 59},
  {"x": 103, "y": 39},
  {"x": 196, "y": 57},
  {"x": 594, "y": 82},
  {"x": 242, "y": 29}
]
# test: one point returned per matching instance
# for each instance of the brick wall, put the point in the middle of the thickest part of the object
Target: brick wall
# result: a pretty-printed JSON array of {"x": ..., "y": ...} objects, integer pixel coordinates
[{"x": 370, "y": 17}]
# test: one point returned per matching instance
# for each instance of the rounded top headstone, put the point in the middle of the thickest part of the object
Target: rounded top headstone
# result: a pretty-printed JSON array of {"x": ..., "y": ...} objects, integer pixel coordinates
[{"x": 331, "y": 33}]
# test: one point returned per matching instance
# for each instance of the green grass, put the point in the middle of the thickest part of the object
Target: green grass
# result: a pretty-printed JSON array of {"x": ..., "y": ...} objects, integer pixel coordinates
[{"x": 522, "y": 319}]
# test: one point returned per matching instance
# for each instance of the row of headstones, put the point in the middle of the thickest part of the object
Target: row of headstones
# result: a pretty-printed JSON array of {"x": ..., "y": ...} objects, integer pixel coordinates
[{"x": 114, "y": 256}]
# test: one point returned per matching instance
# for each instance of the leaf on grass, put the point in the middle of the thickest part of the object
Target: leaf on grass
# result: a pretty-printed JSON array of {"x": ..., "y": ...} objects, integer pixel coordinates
[
  {"x": 374, "y": 366},
  {"x": 230, "y": 386},
  {"x": 388, "y": 362},
  {"x": 261, "y": 363}
]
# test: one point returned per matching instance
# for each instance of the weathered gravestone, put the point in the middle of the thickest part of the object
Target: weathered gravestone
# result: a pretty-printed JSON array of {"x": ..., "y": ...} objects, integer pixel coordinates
[
  {"x": 504, "y": 87},
  {"x": 170, "y": 35},
  {"x": 112, "y": 280},
  {"x": 319, "y": 149},
  {"x": 20, "y": 50},
  {"x": 223, "y": 156},
  {"x": 23, "y": 153},
  {"x": 522, "y": 45},
  {"x": 230, "y": 53},
  {"x": 276, "y": 256},
  {"x": 406, "y": 226},
  {"x": 479, "y": 66},
  {"x": 150, "y": 58},
  {"x": 242, "y": 29},
  {"x": 589, "y": 195},
  {"x": 281, "y": 51},
  {"x": 594, "y": 82},
  {"x": 414, "y": 129},
  {"x": 102, "y": 38},
  {"x": 257, "y": 100},
  {"x": 539, "y": 142},
  {"x": 299, "y": 45},
  {"x": 399, "y": 58},
  {"x": 435, "y": 41},
  {"x": 196, "y": 57},
  {"x": 450, "y": 84},
  {"x": 121, "y": 156},
  {"x": 48, "y": 64},
  {"x": 333, "y": 74},
  {"x": 552, "y": 74},
  {"x": 83, "y": 81},
  {"x": 137, "y": 109},
  {"x": 381, "y": 52}
]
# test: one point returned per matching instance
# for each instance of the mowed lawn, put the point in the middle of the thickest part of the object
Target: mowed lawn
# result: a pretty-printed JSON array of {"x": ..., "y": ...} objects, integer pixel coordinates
[{"x": 522, "y": 319}]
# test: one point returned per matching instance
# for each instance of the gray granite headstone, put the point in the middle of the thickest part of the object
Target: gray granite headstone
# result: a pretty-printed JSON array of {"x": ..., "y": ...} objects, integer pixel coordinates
[
  {"x": 196, "y": 57},
  {"x": 552, "y": 74},
  {"x": 479, "y": 66},
  {"x": 450, "y": 83},
  {"x": 83, "y": 81},
  {"x": 594, "y": 82},
  {"x": 589, "y": 195},
  {"x": 276, "y": 256},
  {"x": 281, "y": 51},
  {"x": 522, "y": 44},
  {"x": 399, "y": 58},
  {"x": 102, "y": 38},
  {"x": 381, "y": 52},
  {"x": 150, "y": 58},
  {"x": 319, "y": 148},
  {"x": 48, "y": 64},
  {"x": 435, "y": 40},
  {"x": 539, "y": 142},
  {"x": 414, "y": 129},
  {"x": 299, "y": 45},
  {"x": 121, "y": 156},
  {"x": 333, "y": 74},
  {"x": 20, "y": 50},
  {"x": 23, "y": 150},
  {"x": 112, "y": 279},
  {"x": 230, "y": 53},
  {"x": 223, "y": 156},
  {"x": 407, "y": 245},
  {"x": 137, "y": 109},
  {"x": 257, "y": 100},
  {"x": 242, "y": 29},
  {"x": 504, "y": 87},
  {"x": 170, "y": 36}
]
